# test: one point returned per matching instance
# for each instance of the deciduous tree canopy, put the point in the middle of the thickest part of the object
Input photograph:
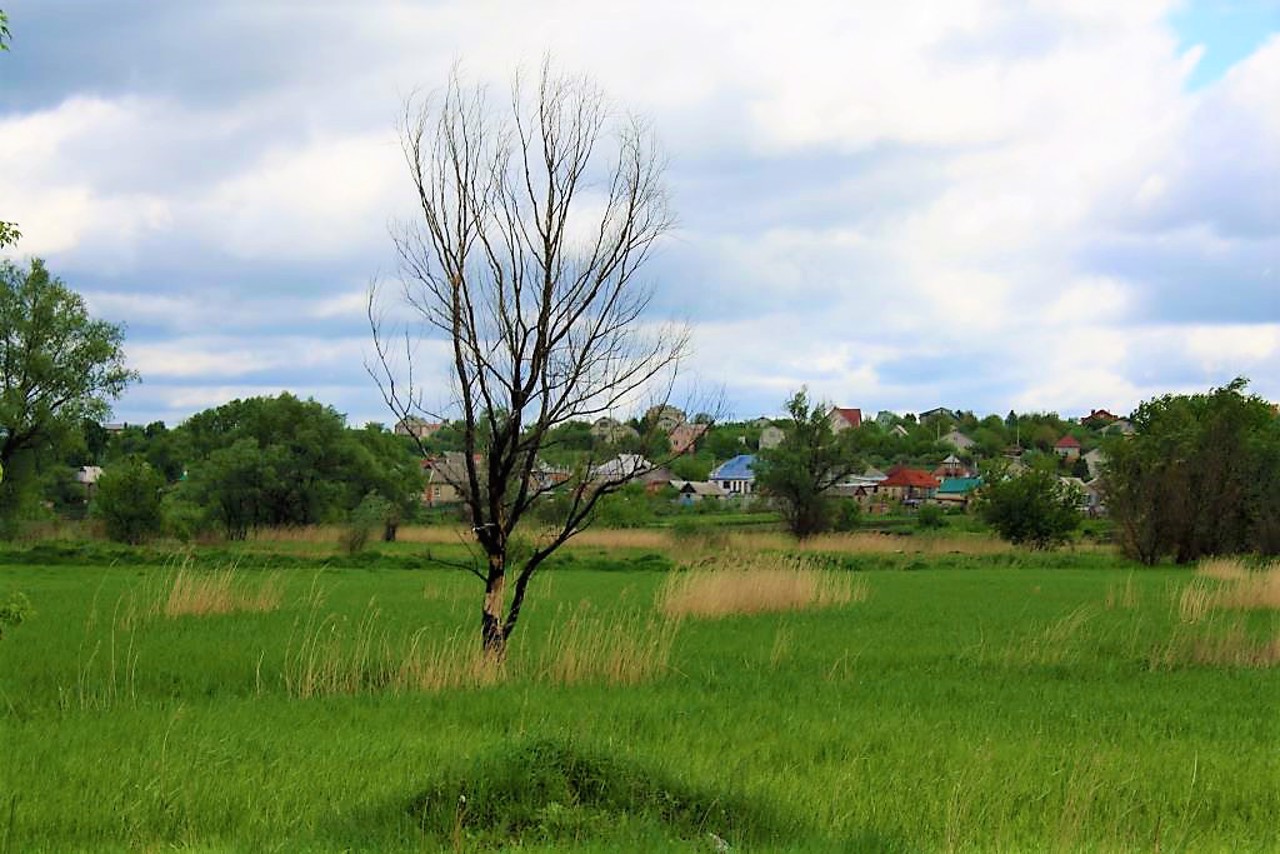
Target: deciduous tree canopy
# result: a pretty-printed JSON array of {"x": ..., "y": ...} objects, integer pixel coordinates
[
  {"x": 811, "y": 459},
  {"x": 1200, "y": 476},
  {"x": 58, "y": 367}
]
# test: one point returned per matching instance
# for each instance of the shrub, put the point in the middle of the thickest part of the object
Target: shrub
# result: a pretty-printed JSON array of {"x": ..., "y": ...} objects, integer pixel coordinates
[
  {"x": 1036, "y": 509},
  {"x": 848, "y": 516},
  {"x": 930, "y": 517},
  {"x": 373, "y": 512},
  {"x": 128, "y": 501},
  {"x": 14, "y": 611}
]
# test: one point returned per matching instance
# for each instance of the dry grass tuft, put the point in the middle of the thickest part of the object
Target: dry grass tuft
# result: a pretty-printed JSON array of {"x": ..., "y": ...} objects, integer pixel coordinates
[
  {"x": 1123, "y": 596},
  {"x": 456, "y": 662},
  {"x": 586, "y": 647},
  {"x": 1209, "y": 637},
  {"x": 1228, "y": 585},
  {"x": 1223, "y": 569},
  {"x": 759, "y": 584},
  {"x": 223, "y": 591},
  {"x": 1063, "y": 641},
  {"x": 1221, "y": 644}
]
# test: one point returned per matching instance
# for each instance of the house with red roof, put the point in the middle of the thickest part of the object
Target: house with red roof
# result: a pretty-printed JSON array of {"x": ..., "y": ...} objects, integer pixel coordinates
[
  {"x": 842, "y": 418},
  {"x": 1068, "y": 446},
  {"x": 908, "y": 485}
]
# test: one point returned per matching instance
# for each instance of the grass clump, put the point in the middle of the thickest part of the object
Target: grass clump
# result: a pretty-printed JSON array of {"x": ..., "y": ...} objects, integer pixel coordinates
[
  {"x": 1214, "y": 610},
  {"x": 602, "y": 648},
  {"x": 551, "y": 791},
  {"x": 761, "y": 584},
  {"x": 223, "y": 591}
]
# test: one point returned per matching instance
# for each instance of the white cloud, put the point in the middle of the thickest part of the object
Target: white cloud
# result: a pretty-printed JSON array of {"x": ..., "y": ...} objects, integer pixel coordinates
[{"x": 887, "y": 183}]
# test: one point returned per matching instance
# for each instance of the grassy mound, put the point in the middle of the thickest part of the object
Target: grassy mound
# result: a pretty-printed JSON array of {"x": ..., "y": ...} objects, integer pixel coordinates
[{"x": 551, "y": 791}]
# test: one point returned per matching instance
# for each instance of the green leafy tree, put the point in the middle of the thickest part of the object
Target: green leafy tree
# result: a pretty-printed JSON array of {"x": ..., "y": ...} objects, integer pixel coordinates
[
  {"x": 128, "y": 501},
  {"x": 799, "y": 472},
  {"x": 1198, "y": 477},
  {"x": 58, "y": 367},
  {"x": 1034, "y": 508},
  {"x": 271, "y": 461}
]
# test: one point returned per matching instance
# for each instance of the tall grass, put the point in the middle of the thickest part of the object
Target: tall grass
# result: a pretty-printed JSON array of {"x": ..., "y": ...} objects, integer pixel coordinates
[
  {"x": 757, "y": 584},
  {"x": 223, "y": 591},
  {"x": 1236, "y": 588},
  {"x": 607, "y": 648},
  {"x": 328, "y": 655},
  {"x": 1213, "y": 628}
]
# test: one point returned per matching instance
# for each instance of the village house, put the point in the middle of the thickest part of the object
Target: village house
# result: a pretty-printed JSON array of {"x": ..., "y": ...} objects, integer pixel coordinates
[
  {"x": 957, "y": 440},
  {"x": 418, "y": 428},
  {"x": 683, "y": 437},
  {"x": 842, "y": 418},
  {"x": 735, "y": 476},
  {"x": 693, "y": 491},
  {"x": 771, "y": 437},
  {"x": 611, "y": 431},
  {"x": 1068, "y": 447},
  {"x": 907, "y": 485},
  {"x": 956, "y": 491}
]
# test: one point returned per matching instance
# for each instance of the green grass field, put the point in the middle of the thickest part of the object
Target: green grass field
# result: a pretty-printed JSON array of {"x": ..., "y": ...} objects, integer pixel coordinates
[{"x": 989, "y": 702}]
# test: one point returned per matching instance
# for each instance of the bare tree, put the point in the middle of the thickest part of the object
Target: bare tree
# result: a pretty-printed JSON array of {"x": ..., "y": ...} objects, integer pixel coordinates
[{"x": 534, "y": 221}]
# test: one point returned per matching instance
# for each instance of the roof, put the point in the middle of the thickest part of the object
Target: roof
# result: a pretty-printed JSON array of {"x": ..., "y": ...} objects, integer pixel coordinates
[
  {"x": 622, "y": 466},
  {"x": 1068, "y": 441},
  {"x": 959, "y": 485},
  {"x": 738, "y": 468},
  {"x": 852, "y": 416},
  {"x": 701, "y": 487},
  {"x": 910, "y": 478}
]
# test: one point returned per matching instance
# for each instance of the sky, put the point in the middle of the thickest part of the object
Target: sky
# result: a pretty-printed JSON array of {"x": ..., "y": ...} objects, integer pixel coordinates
[{"x": 978, "y": 204}]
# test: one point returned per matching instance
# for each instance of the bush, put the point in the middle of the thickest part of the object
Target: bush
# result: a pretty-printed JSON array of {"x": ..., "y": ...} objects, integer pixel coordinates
[
  {"x": 373, "y": 512},
  {"x": 847, "y": 516},
  {"x": 14, "y": 611},
  {"x": 128, "y": 501},
  {"x": 1036, "y": 509},
  {"x": 930, "y": 517}
]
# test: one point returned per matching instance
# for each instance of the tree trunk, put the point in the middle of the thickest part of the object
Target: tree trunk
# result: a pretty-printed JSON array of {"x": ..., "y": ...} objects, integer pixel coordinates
[{"x": 492, "y": 633}]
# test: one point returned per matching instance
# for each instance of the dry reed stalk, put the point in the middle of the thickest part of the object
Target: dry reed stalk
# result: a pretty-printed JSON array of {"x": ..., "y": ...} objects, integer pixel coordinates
[
  {"x": 222, "y": 591},
  {"x": 1228, "y": 585},
  {"x": 1123, "y": 596},
  {"x": 1223, "y": 569},
  {"x": 457, "y": 662},
  {"x": 1228, "y": 644},
  {"x": 764, "y": 583},
  {"x": 606, "y": 648}
]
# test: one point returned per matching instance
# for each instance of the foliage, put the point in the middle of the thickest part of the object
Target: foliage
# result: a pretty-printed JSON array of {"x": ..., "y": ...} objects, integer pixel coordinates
[
  {"x": 284, "y": 461},
  {"x": 15, "y": 609},
  {"x": 848, "y": 515},
  {"x": 1034, "y": 508},
  {"x": 930, "y": 517},
  {"x": 58, "y": 367},
  {"x": 128, "y": 501},
  {"x": 372, "y": 513},
  {"x": 811, "y": 459},
  {"x": 1200, "y": 476}
]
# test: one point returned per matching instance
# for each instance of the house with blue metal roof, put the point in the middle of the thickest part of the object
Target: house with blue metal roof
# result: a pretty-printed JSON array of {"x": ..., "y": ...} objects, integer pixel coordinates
[{"x": 735, "y": 476}]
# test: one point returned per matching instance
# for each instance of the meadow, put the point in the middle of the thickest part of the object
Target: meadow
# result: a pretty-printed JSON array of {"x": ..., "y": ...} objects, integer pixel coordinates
[{"x": 664, "y": 692}]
